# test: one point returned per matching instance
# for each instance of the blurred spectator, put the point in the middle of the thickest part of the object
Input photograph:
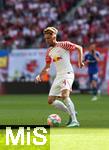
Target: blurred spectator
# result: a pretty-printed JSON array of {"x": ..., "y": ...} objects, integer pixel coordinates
[{"x": 22, "y": 22}]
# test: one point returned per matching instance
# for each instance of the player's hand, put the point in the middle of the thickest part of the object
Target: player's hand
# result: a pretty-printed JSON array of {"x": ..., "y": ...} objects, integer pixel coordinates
[
  {"x": 80, "y": 64},
  {"x": 37, "y": 79},
  {"x": 86, "y": 62}
]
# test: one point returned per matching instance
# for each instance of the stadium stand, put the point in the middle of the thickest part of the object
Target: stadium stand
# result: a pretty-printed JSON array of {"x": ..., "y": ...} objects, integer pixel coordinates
[{"x": 22, "y": 22}]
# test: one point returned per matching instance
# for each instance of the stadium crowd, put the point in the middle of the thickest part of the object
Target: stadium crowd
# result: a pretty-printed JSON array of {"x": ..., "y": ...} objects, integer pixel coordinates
[
  {"x": 22, "y": 22},
  {"x": 90, "y": 23}
]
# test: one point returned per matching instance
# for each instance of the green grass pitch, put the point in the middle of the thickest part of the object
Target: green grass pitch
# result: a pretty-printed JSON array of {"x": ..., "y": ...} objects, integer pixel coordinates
[{"x": 93, "y": 133}]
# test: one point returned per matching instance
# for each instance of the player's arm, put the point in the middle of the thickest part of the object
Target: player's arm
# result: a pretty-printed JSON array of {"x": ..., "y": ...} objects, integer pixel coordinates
[
  {"x": 80, "y": 58},
  {"x": 96, "y": 56},
  {"x": 70, "y": 47},
  {"x": 86, "y": 62},
  {"x": 85, "y": 59},
  {"x": 44, "y": 71}
]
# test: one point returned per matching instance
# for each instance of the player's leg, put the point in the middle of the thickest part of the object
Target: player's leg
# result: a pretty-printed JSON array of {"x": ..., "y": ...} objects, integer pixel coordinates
[
  {"x": 53, "y": 100},
  {"x": 71, "y": 108},
  {"x": 53, "y": 97},
  {"x": 94, "y": 86},
  {"x": 66, "y": 86},
  {"x": 58, "y": 89}
]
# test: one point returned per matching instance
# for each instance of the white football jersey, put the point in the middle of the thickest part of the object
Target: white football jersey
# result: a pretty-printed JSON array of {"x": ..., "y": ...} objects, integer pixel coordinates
[{"x": 60, "y": 55}]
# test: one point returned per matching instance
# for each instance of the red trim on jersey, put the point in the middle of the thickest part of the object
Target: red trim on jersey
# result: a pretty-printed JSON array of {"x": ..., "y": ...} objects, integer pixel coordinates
[
  {"x": 48, "y": 58},
  {"x": 66, "y": 45}
]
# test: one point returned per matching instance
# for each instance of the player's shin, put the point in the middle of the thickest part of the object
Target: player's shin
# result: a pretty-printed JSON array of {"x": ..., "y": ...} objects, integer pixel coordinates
[
  {"x": 94, "y": 91},
  {"x": 60, "y": 105},
  {"x": 71, "y": 108}
]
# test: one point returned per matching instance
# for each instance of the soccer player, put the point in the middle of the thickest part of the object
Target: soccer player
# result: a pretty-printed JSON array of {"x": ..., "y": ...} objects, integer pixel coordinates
[
  {"x": 91, "y": 59},
  {"x": 59, "y": 53}
]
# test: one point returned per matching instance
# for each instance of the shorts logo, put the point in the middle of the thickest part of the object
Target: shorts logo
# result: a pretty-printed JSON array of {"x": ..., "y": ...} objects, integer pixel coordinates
[{"x": 64, "y": 82}]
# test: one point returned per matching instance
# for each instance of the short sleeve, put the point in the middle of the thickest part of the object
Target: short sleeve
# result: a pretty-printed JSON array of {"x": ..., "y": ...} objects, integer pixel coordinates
[
  {"x": 98, "y": 54},
  {"x": 68, "y": 46},
  {"x": 85, "y": 56}
]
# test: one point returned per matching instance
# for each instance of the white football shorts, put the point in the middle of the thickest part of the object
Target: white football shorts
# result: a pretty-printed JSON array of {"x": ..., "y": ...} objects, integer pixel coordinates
[{"x": 62, "y": 82}]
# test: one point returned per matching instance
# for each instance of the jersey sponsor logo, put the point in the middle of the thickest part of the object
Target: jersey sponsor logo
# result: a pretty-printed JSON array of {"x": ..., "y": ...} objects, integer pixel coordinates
[{"x": 57, "y": 58}]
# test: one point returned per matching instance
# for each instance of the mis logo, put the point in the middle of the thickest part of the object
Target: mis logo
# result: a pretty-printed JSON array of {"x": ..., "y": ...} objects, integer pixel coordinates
[
  {"x": 57, "y": 58},
  {"x": 25, "y": 137}
]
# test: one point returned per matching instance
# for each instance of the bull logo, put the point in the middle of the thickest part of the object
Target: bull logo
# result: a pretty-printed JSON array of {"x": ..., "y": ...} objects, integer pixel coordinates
[{"x": 57, "y": 58}]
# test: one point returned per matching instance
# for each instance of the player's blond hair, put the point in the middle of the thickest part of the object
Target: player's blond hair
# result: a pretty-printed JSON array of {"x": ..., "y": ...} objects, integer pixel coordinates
[{"x": 50, "y": 29}]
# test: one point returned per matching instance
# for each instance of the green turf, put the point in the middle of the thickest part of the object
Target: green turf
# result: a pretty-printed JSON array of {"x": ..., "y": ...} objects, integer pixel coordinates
[
  {"x": 93, "y": 134},
  {"x": 80, "y": 139},
  {"x": 33, "y": 109}
]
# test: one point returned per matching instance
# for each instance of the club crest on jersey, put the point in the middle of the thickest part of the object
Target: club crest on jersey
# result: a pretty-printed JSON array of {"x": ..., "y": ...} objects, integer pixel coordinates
[{"x": 57, "y": 58}]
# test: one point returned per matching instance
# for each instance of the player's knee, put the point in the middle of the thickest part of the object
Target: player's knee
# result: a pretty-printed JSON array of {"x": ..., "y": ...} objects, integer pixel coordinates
[
  {"x": 50, "y": 100},
  {"x": 64, "y": 96},
  {"x": 94, "y": 83}
]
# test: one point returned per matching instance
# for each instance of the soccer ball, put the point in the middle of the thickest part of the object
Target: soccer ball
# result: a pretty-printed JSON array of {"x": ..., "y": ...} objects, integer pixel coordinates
[{"x": 54, "y": 120}]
